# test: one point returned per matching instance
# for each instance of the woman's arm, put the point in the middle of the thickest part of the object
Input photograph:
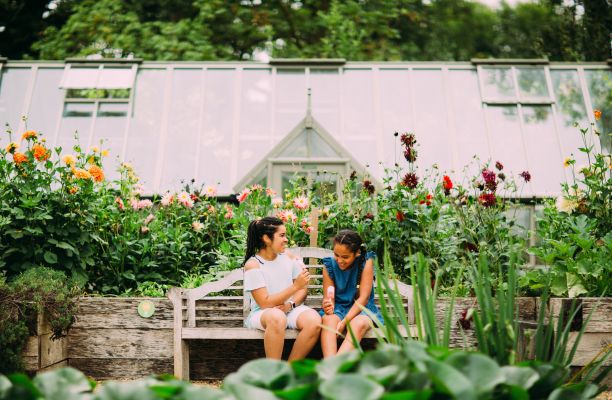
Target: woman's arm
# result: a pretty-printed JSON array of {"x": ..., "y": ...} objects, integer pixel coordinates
[
  {"x": 266, "y": 300},
  {"x": 365, "y": 288}
]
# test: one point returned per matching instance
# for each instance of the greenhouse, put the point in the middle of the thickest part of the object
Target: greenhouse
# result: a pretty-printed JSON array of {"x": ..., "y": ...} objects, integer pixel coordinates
[{"x": 231, "y": 124}]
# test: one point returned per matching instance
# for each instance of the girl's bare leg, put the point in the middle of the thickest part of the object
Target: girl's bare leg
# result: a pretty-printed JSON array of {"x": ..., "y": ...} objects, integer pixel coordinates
[
  {"x": 274, "y": 322},
  {"x": 359, "y": 325},
  {"x": 329, "y": 344},
  {"x": 309, "y": 324}
]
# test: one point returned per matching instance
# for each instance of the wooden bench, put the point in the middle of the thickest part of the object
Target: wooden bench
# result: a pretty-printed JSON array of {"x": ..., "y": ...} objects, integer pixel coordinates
[{"x": 216, "y": 310}]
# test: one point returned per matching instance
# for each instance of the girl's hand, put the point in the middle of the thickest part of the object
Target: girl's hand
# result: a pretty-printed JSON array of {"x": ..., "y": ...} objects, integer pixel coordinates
[
  {"x": 285, "y": 307},
  {"x": 328, "y": 306},
  {"x": 341, "y": 326},
  {"x": 302, "y": 279}
]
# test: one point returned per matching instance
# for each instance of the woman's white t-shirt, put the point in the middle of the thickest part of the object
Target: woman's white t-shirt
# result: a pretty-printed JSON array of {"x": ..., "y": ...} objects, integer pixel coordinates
[{"x": 275, "y": 275}]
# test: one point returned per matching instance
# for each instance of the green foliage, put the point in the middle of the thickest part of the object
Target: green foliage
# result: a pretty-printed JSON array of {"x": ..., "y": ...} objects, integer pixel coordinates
[
  {"x": 357, "y": 30},
  {"x": 576, "y": 229},
  {"x": 38, "y": 291}
]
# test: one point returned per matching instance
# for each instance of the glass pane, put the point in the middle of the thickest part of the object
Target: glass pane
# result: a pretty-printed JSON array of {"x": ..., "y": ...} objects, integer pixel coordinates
[
  {"x": 543, "y": 150},
  {"x": 183, "y": 133},
  {"x": 358, "y": 104},
  {"x": 12, "y": 95},
  {"x": 97, "y": 93},
  {"x": 291, "y": 100},
  {"x": 297, "y": 148},
  {"x": 47, "y": 102},
  {"x": 395, "y": 109},
  {"x": 319, "y": 147},
  {"x": 78, "y": 109},
  {"x": 325, "y": 182},
  {"x": 116, "y": 78},
  {"x": 570, "y": 110},
  {"x": 143, "y": 137},
  {"x": 288, "y": 177},
  {"x": 109, "y": 134},
  {"x": 251, "y": 152},
  {"x": 505, "y": 138},
  {"x": 430, "y": 124},
  {"x": 600, "y": 90},
  {"x": 469, "y": 122},
  {"x": 325, "y": 84},
  {"x": 256, "y": 103},
  {"x": 216, "y": 143},
  {"x": 532, "y": 83},
  {"x": 498, "y": 83},
  {"x": 80, "y": 77},
  {"x": 112, "y": 109}
]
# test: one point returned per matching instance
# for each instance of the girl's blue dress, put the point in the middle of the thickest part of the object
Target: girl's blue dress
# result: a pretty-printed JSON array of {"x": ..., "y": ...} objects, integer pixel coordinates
[{"x": 346, "y": 286}]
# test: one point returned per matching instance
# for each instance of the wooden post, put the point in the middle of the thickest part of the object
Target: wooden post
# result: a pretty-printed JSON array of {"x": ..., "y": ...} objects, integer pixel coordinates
[
  {"x": 181, "y": 347},
  {"x": 314, "y": 233}
]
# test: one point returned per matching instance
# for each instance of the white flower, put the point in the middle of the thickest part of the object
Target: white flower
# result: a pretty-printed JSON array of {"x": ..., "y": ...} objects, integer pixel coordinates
[
  {"x": 566, "y": 205},
  {"x": 210, "y": 191},
  {"x": 167, "y": 199},
  {"x": 277, "y": 202},
  {"x": 149, "y": 218},
  {"x": 185, "y": 199},
  {"x": 197, "y": 226},
  {"x": 138, "y": 190}
]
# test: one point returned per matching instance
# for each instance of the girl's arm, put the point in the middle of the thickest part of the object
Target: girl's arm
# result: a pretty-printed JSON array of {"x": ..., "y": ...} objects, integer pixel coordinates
[
  {"x": 266, "y": 300},
  {"x": 328, "y": 305},
  {"x": 365, "y": 288}
]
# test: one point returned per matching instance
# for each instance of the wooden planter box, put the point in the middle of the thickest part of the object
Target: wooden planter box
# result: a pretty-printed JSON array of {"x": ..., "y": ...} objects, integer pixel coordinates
[
  {"x": 109, "y": 340},
  {"x": 43, "y": 354}
]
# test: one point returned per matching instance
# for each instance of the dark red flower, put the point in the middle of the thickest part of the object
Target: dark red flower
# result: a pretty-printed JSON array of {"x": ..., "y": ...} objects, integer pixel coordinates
[
  {"x": 447, "y": 184},
  {"x": 193, "y": 197},
  {"x": 369, "y": 216},
  {"x": 471, "y": 247},
  {"x": 408, "y": 139},
  {"x": 368, "y": 186},
  {"x": 410, "y": 154},
  {"x": 487, "y": 199},
  {"x": 501, "y": 176},
  {"x": 400, "y": 216},
  {"x": 410, "y": 180},
  {"x": 489, "y": 178},
  {"x": 525, "y": 175},
  {"x": 463, "y": 321},
  {"x": 353, "y": 175},
  {"x": 499, "y": 165}
]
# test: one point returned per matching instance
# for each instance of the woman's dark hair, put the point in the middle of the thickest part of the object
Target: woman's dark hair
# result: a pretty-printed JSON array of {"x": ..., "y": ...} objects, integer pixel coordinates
[
  {"x": 352, "y": 240},
  {"x": 255, "y": 233}
]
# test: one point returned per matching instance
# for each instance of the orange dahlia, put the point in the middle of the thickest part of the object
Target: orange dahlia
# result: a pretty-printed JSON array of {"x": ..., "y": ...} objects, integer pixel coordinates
[
  {"x": 12, "y": 147},
  {"x": 40, "y": 152},
  {"x": 19, "y": 158},
  {"x": 28, "y": 134},
  {"x": 80, "y": 173},
  {"x": 597, "y": 114},
  {"x": 97, "y": 173}
]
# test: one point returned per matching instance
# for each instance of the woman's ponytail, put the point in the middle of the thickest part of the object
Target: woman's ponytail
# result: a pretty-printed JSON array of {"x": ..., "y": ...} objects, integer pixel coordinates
[{"x": 255, "y": 233}]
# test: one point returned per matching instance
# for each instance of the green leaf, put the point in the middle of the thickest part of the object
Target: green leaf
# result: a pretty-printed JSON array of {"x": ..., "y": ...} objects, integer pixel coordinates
[
  {"x": 265, "y": 373},
  {"x": 243, "y": 391},
  {"x": 50, "y": 257},
  {"x": 350, "y": 387},
  {"x": 5, "y": 387},
  {"x": 449, "y": 380},
  {"x": 482, "y": 371},
  {"x": 523, "y": 377},
  {"x": 408, "y": 395},
  {"x": 331, "y": 366},
  {"x": 62, "y": 383},
  {"x": 124, "y": 391},
  {"x": 300, "y": 392}
]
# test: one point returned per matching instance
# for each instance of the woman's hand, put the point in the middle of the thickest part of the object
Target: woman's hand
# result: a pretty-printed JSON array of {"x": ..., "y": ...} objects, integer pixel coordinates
[
  {"x": 328, "y": 306},
  {"x": 301, "y": 281}
]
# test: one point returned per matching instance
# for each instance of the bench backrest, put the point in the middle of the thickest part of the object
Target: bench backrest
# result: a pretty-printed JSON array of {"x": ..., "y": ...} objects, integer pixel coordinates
[{"x": 201, "y": 309}]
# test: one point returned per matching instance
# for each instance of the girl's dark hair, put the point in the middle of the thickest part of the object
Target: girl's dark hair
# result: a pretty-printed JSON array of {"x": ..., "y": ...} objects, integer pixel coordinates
[
  {"x": 352, "y": 240},
  {"x": 255, "y": 233}
]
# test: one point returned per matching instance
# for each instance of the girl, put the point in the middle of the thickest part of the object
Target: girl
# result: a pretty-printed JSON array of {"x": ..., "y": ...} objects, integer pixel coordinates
[
  {"x": 350, "y": 274},
  {"x": 276, "y": 282}
]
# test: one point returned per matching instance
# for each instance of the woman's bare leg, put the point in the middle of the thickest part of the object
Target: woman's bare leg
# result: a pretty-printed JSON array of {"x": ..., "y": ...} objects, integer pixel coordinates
[
  {"x": 329, "y": 341},
  {"x": 359, "y": 325},
  {"x": 309, "y": 324},
  {"x": 274, "y": 322}
]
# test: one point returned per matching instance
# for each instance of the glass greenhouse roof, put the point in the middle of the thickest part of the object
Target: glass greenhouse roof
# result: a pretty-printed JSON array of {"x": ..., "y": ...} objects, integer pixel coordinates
[{"x": 222, "y": 123}]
